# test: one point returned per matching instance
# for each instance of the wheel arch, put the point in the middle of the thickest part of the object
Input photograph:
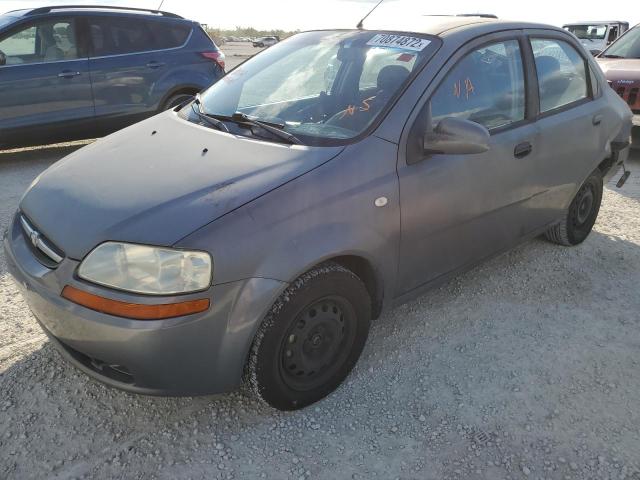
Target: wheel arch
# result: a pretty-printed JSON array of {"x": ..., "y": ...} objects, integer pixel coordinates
[
  {"x": 364, "y": 269},
  {"x": 178, "y": 90}
]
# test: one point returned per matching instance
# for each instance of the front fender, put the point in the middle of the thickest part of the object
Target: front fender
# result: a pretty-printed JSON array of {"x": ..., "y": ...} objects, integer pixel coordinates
[{"x": 326, "y": 213}]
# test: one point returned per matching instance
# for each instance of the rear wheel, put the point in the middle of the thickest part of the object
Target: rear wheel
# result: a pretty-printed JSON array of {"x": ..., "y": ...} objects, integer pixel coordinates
[
  {"x": 177, "y": 99},
  {"x": 311, "y": 339},
  {"x": 581, "y": 215}
]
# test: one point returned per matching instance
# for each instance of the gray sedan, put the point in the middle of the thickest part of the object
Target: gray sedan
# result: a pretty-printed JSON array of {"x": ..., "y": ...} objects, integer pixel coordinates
[{"x": 256, "y": 232}]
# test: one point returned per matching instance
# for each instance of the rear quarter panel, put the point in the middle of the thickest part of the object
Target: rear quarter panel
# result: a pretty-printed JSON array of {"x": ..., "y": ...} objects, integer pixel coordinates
[{"x": 186, "y": 68}]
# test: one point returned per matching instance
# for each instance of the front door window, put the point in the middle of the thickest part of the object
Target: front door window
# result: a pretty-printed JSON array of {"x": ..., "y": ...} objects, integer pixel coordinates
[{"x": 50, "y": 40}]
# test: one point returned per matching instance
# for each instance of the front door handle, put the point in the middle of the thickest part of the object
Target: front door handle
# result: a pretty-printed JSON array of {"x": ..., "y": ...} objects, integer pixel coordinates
[
  {"x": 522, "y": 150},
  {"x": 597, "y": 120},
  {"x": 155, "y": 64},
  {"x": 69, "y": 74}
]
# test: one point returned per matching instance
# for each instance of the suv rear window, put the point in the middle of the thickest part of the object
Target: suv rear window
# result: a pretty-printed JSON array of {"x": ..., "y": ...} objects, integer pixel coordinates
[
  {"x": 117, "y": 36},
  {"x": 169, "y": 35}
]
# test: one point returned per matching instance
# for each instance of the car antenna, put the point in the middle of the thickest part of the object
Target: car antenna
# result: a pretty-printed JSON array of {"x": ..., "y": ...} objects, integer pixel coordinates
[
  {"x": 160, "y": 6},
  {"x": 361, "y": 22}
]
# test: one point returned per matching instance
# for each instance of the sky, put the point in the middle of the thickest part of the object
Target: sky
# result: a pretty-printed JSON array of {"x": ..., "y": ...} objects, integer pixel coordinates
[{"x": 310, "y": 14}]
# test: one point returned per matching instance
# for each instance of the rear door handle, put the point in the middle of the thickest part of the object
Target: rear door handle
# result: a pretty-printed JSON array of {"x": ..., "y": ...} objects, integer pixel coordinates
[
  {"x": 69, "y": 74},
  {"x": 155, "y": 64},
  {"x": 522, "y": 150},
  {"x": 597, "y": 120}
]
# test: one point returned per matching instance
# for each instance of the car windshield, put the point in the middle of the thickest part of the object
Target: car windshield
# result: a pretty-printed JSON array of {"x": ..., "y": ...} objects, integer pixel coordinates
[
  {"x": 588, "y": 32},
  {"x": 627, "y": 47},
  {"x": 324, "y": 88}
]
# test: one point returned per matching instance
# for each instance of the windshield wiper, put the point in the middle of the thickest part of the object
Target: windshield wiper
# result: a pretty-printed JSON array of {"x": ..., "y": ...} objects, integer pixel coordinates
[
  {"x": 273, "y": 128},
  {"x": 611, "y": 56},
  {"x": 196, "y": 106}
]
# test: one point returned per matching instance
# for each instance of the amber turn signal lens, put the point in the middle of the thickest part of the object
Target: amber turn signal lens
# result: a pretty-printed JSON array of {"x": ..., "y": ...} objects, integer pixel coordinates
[{"x": 135, "y": 311}]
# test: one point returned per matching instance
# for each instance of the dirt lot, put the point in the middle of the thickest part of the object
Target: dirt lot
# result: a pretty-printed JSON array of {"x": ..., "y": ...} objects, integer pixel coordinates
[
  {"x": 238, "y": 52},
  {"x": 527, "y": 367}
]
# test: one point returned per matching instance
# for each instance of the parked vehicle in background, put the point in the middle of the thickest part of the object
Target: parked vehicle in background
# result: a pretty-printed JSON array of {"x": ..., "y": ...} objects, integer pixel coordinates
[
  {"x": 596, "y": 36},
  {"x": 621, "y": 65},
  {"x": 297, "y": 205},
  {"x": 81, "y": 72},
  {"x": 265, "y": 41}
]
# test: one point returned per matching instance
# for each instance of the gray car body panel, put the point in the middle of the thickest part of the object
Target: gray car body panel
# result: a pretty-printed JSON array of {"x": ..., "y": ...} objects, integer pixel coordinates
[{"x": 268, "y": 212}]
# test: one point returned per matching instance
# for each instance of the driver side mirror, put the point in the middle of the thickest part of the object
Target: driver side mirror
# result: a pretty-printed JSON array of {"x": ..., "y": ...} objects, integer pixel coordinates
[
  {"x": 454, "y": 136},
  {"x": 3, "y": 58}
]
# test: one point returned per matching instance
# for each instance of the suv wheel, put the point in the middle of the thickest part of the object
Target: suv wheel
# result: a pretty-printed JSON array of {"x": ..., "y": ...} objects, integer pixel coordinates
[
  {"x": 311, "y": 338},
  {"x": 175, "y": 100},
  {"x": 581, "y": 215}
]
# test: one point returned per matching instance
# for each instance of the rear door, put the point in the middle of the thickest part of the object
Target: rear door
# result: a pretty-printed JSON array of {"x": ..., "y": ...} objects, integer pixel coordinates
[
  {"x": 459, "y": 209},
  {"x": 45, "y": 89},
  {"x": 571, "y": 117},
  {"x": 128, "y": 59}
]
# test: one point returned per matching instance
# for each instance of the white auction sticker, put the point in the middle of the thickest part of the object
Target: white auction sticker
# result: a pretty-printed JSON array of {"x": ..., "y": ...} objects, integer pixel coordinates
[{"x": 399, "y": 41}]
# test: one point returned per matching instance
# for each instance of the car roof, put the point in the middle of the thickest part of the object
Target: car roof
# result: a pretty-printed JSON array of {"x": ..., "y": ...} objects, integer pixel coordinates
[
  {"x": 443, "y": 25},
  {"x": 65, "y": 9},
  {"x": 16, "y": 13}
]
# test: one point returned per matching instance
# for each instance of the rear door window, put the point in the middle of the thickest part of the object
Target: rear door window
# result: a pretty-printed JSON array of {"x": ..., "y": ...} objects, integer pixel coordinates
[
  {"x": 168, "y": 35},
  {"x": 562, "y": 73},
  {"x": 119, "y": 36},
  {"x": 487, "y": 87}
]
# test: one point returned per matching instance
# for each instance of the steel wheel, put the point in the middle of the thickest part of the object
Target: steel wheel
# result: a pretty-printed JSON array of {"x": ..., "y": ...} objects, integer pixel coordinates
[{"x": 317, "y": 342}]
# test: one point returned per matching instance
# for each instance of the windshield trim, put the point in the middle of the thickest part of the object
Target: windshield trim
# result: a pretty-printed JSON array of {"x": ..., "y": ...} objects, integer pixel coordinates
[{"x": 314, "y": 141}]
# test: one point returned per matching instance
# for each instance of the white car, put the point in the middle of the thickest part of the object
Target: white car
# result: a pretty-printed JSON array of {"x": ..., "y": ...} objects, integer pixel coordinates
[
  {"x": 597, "y": 36},
  {"x": 265, "y": 41}
]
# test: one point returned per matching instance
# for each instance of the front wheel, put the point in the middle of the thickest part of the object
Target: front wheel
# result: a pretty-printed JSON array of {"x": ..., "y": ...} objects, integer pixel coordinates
[
  {"x": 311, "y": 339},
  {"x": 579, "y": 219}
]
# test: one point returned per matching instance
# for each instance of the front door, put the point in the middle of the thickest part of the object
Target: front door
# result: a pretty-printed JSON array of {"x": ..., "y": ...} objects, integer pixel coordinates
[
  {"x": 45, "y": 89},
  {"x": 459, "y": 209}
]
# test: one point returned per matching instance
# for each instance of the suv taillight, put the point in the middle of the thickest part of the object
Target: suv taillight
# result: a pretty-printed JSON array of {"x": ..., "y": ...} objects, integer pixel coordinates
[{"x": 216, "y": 56}]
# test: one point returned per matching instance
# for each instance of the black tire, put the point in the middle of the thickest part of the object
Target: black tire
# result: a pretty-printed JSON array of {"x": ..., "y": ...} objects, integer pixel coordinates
[
  {"x": 311, "y": 339},
  {"x": 581, "y": 215},
  {"x": 176, "y": 99}
]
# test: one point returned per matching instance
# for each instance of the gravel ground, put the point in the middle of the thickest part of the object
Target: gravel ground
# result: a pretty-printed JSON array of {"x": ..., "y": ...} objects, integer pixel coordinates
[{"x": 526, "y": 367}]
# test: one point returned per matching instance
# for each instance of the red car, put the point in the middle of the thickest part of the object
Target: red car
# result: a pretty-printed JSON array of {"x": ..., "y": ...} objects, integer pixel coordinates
[{"x": 621, "y": 65}]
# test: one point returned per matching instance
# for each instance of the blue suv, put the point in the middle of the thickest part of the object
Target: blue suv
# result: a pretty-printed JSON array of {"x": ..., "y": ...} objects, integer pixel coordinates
[{"x": 70, "y": 72}]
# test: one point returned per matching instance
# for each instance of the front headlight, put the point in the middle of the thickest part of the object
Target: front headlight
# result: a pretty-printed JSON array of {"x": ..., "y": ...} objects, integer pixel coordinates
[{"x": 145, "y": 269}]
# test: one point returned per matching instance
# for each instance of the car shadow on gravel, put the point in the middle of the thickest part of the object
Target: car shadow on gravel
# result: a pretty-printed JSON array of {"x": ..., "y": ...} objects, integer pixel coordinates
[{"x": 507, "y": 349}]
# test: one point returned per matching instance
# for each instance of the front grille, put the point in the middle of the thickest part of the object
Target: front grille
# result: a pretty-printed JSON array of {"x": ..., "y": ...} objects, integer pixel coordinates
[{"x": 44, "y": 250}]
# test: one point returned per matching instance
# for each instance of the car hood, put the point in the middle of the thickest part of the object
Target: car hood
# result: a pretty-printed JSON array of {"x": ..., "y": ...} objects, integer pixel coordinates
[
  {"x": 154, "y": 183},
  {"x": 621, "y": 70}
]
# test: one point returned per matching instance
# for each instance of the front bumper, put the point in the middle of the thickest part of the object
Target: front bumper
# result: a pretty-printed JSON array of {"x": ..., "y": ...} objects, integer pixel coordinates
[{"x": 193, "y": 355}]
